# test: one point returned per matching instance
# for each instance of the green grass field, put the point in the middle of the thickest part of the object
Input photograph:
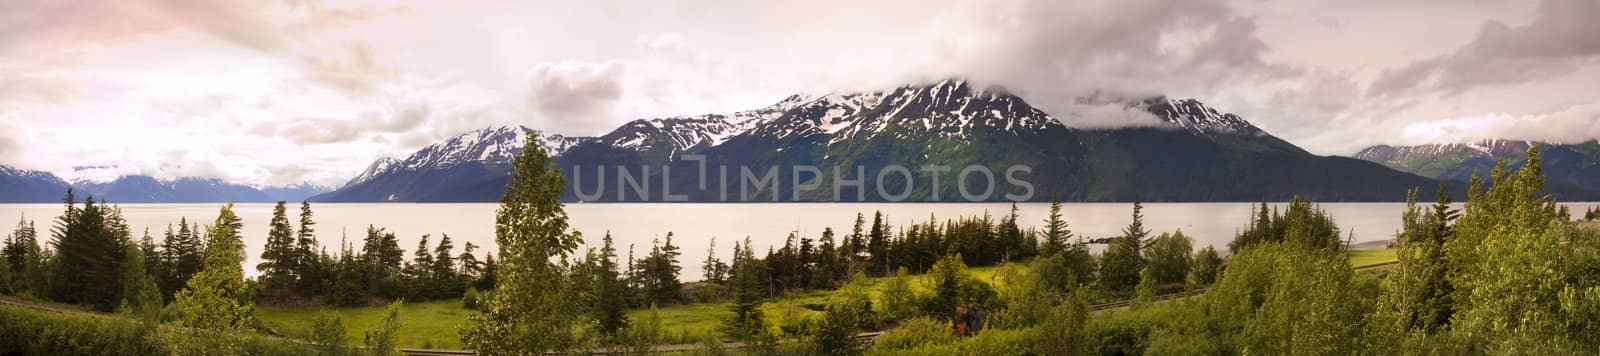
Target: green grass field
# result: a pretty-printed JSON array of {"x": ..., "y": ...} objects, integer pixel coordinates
[
  {"x": 422, "y": 324},
  {"x": 1367, "y": 257},
  {"x": 434, "y": 324}
]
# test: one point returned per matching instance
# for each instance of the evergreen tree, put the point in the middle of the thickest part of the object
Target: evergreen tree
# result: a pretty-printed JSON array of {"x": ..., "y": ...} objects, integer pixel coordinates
[
  {"x": 825, "y": 264},
  {"x": 150, "y": 255},
  {"x": 444, "y": 270},
  {"x": 21, "y": 248},
  {"x": 714, "y": 270},
  {"x": 278, "y": 255},
  {"x": 140, "y": 296},
  {"x": 532, "y": 309},
  {"x": 89, "y": 244},
  {"x": 658, "y": 273},
  {"x": 878, "y": 244},
  {"x": 855, "y": 245},
  {"x": 1056, "y": 234},
  {"x": 749, "y": 290},
  {"x": 381, "y": 254},
  {"x": 184, "y": 255},
  {"x": 310, "y": 267},
  {"x": 349, "y": 283},
  {"x": 417, "y": 272},
  {"x": 1010, "y": 239},
  {"x": 608, "y": 299},
  {"x": 1123, "y": 259},
  {"x": 18, "y": 244},
  {"x": 486, "y": 282},
  {"x": 471, "y": 268}
]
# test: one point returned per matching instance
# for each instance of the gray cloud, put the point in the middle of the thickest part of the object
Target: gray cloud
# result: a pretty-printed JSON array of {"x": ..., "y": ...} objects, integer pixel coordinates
[
  {"x": 1563, "y": 37},
  {"x": 1054, "y": 52},
  {"x": 355, "y": 75},
  {"x": 1574, "y": 124},
  {"x": 575, "y": 94},
  {"x": 312, "y": 131}
]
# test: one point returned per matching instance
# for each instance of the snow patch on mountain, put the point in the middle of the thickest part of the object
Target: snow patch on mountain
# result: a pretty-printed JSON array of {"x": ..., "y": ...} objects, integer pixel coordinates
[
  {"x": 494, "y": 145},
  {"x": 1483, "y": 148}
]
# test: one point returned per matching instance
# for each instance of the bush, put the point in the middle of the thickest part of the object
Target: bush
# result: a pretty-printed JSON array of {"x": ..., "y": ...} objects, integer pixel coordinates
[
  {"x": 914, "y": 333},
  {"x": 33, "y": 332},
  {"x": 899, "y": 301},
  {"x": 470, "y": 299}
]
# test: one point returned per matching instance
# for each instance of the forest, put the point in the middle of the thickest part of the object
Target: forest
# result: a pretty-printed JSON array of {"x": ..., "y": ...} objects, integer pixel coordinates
[{"x": 1509, "y": 273}]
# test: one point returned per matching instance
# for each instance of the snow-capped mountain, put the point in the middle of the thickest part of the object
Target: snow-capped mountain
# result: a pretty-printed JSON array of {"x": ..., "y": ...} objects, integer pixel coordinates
[
  {"x": 1570, "y": 165},
  {"x": 492, "y": 145},
  {"x": 949, "y": 108},
  {"x": 1205, "y": 154},
  {"x": 29, "y": 186},
  {"x": 1482, "y": 148},
  {"x": 380, "y": 166},
  {"x": 676, "y": 134},
  {"x": 442, "y": 167},
  {"x": 1194, "y": 116}
]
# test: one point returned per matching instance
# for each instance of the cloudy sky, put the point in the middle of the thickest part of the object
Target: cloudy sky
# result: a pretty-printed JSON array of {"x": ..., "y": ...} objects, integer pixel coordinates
[{"x": 280, "y": 92}]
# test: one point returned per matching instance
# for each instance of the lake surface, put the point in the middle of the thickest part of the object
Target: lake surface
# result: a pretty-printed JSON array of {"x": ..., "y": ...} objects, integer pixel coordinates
[{"x": 694, "y": 225}]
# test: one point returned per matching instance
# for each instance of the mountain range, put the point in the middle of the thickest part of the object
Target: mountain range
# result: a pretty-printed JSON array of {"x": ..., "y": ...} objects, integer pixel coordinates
[
  {"x": 1566, "y": 166},
  {"x": 1193, "y": 153},
  {"x": 1188, "y": 151},
  {"x": 26, "y": 186}
]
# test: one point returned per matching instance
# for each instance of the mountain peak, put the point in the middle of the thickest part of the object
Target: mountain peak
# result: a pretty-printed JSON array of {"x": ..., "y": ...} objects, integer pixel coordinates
[{"x": 1194, "y": 116}]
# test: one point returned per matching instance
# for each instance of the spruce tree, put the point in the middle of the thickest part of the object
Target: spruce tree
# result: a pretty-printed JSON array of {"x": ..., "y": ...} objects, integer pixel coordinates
[
  {"x": 532, "y": 310},
  {"x": 21, "y": 248},
  {"x": 1123, "y": 259},
  {"x": 89, "y": 244},
  {"x": 310, "y": 268},
  {"x": 278, "y": 255},
  {"x": 444, "y": 270},
  {"x": 19, "y": 243},
  {"x": 749, "y": 290},
  {"x": 184, "y": 255},
  {"x": 416, "y": 273},
  {"x": 1056, "y": 234},
  {"x": 825, "y": 264},
  {"x": 471, "y": 268},
  {"x": 878, "y": 244},
  {"x": 855, "y": 245},
  {"x": 713, "y": 270},
  {"x": 659, "y": 273},
  {"x": 608, "y": 300},
  {"x": 140, "y": 296}
]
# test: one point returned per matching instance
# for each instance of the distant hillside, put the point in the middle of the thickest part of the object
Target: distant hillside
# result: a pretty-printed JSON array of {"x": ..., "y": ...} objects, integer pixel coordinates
[
  {"x": 1568, "y": 167},
  {"x": 146, "y": 189},
  {"x": 25, "y": 186}
]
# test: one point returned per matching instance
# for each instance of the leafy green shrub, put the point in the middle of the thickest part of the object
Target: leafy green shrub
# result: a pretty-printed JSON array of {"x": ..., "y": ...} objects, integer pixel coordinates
[
  {"x": 469, "y": 299},
  {"x": 32, "y": 332},
  {"x": 913, "y": 334},
  {"x": 899, "y": 301}
]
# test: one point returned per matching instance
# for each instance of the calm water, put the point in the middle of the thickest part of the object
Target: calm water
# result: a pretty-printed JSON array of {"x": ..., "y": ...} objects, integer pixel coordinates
[{"x": 694, "y": 225}]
